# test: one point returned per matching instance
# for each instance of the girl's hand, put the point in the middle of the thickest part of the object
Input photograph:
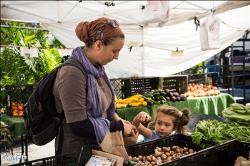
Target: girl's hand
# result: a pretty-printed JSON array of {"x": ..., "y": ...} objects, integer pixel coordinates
[{"x": 142, "y": 117}]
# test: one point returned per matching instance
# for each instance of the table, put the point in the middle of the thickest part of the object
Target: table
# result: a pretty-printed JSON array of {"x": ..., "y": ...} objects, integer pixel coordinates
[{"x": 209, "y": 105}]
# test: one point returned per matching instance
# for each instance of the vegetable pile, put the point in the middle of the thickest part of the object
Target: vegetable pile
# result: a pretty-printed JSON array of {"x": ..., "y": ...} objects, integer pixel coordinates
[
  {"x": 162, "y": 155},
  {"x": 212, "y": 132},
  {"x": 237, "y": 113}
]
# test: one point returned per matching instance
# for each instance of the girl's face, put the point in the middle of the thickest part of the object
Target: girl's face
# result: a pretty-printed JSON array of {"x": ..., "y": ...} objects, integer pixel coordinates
[
  {"x": 110, "y": 52},
  {"x": 164, "y": 124}
]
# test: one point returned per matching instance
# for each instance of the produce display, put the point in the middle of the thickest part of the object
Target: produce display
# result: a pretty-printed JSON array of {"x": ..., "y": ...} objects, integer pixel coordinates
[
  {"x": 133, "y": 101},
  {"x": 199, "y": 90},
  {"x": 160, "y": 96},
  {"x": 17, "y": 109},
  {"x": 211, "y": 132},
  {"x": 237, "y": 113},
  {"x": 161, "y": 155}
]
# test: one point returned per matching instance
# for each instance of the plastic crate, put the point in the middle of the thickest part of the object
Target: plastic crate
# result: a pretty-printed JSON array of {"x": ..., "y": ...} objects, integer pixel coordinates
[
  {"x": 50, "y": 161},
  {"x": 177, "y": 83},
  {"x": 117, "y": 85},
  {"x": 148, "y": 147},
  {"x": 197, "y": 78},
  {"x": 221, "y": 155},
  {"x": 18, "y": 93},
  {"x": 139, "y": 85}
]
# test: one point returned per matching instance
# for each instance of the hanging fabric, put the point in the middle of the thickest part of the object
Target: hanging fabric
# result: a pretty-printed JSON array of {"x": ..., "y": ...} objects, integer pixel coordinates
[
  {"x": 156, "y": 11},
  {"x": 210, "y": 33}
]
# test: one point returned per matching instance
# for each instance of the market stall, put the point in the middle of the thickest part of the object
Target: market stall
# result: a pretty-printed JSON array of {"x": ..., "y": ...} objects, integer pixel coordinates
[{"x": 209, "y": 105}]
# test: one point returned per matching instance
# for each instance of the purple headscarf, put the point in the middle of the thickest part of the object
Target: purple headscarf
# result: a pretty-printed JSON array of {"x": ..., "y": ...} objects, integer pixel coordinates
[{"x": 94, "y": 106}]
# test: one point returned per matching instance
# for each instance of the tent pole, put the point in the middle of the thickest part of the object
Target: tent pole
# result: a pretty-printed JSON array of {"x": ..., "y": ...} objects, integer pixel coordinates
[{"x": 143, "y": 52}]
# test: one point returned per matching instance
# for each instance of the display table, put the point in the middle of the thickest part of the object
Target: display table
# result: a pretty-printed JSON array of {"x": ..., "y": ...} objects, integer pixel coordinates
[{"x": 209, "y": 105}]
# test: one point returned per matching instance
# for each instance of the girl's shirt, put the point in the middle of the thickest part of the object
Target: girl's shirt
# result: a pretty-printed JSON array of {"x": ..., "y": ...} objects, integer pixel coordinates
[{"x": 155, "y": 135}]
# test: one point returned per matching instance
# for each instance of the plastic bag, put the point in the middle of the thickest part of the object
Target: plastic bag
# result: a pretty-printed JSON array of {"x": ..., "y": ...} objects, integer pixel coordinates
[
  {"x": 156, "y": 11},
  {"x": 210, "y": 33}
]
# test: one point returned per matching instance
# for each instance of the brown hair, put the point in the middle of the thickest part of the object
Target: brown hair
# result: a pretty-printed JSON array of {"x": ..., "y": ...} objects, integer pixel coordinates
[
  {"x": 181, "y": 117},
  {"x": 103, "y": 29}
]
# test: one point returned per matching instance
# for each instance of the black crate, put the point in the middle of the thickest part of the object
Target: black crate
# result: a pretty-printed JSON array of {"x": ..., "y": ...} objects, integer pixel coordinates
[
  {"x": 86, "y": 153},
  {"x": 177, "y": 83},
  {"x": 18, "y": 93},
  {"x": 50, "y": 161},
  {"x": 197, "y": 79},
  {"x": 139, "y": 85},
  {"x": 117, "y": 85},
  {"x": 147, "y": 148},
  {"x": 221, "y": 155}
]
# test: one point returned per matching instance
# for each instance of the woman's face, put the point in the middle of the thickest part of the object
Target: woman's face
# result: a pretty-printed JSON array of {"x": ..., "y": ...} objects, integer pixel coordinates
[
  {"x": 110, "y": 52},
  {"x": 164, "y": 124}
]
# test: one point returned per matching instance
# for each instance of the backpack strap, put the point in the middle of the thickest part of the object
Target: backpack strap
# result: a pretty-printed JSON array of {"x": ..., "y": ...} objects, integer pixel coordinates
[{"x": 73, "y": 62}]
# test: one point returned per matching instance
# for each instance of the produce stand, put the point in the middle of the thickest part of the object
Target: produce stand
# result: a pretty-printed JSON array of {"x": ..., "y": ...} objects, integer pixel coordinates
[
  {"x": 209, "y": 105},
  {"x": 219, "y": 155}
]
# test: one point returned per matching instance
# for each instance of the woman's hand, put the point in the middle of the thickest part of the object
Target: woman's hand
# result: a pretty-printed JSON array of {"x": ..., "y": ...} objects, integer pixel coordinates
[{"x": 129, "y": 129}]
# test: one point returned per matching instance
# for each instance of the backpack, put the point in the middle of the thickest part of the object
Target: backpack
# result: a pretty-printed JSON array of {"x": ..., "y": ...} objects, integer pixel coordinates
[{"x": 41, "y": 119}]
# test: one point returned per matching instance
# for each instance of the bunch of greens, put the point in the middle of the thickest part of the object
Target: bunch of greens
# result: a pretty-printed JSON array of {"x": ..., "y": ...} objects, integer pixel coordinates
[
  {"x": 211, "y": 132},
  {"x": 237, "y": 113}
]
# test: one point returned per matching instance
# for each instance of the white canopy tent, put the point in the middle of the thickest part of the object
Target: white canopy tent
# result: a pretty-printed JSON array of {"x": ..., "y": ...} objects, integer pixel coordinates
[{"x": 150, "y": 47}]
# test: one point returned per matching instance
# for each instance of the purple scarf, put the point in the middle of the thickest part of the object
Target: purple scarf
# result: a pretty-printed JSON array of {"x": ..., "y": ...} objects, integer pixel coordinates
[{"x": 94, "y": 106}]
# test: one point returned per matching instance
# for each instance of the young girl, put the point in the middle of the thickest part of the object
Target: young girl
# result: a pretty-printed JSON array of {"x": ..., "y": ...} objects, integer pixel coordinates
[{"x": 168, "y": 120}]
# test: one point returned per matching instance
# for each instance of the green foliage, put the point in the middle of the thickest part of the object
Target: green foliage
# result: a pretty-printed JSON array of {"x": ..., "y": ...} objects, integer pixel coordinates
[
  {"x": 13, "y": 67},
  {"x": 16, "y": 69}
]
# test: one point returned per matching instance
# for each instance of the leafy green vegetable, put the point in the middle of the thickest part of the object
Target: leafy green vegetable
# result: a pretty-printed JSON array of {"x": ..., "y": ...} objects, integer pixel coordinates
[
  {"x": 212, "y": 132},
  {"x": 237, "y": 112}
]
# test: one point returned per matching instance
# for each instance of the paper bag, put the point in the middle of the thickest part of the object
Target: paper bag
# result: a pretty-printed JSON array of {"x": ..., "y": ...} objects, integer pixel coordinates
[{"x": 113, "y": 143}]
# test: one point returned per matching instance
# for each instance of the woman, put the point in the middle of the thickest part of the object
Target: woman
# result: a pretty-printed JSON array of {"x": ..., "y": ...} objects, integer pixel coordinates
[{"x": 86, "y": 97}]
